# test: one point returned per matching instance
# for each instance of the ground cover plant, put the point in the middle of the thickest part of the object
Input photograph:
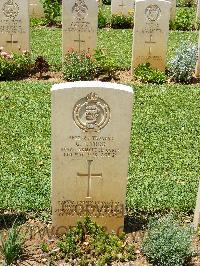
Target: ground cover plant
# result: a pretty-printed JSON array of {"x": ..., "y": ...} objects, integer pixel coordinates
[
  {"x": 90, "y": 243},
  {"x": 167, "y": 243},
  {"x": 14, "y": 65},
  {"x": 11, "y": 246},
  {"x": 78, "y": 66},
  {"x": 146, "y": 74}
]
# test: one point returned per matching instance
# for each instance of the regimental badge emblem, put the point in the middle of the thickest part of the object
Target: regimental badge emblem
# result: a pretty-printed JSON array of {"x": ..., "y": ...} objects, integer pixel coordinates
[
  {"x": 80, "y": 10},
  {"x": 152, "y": 12},
  {"x": 10, "y": 9},
  {"x": 91, "y": 113}
]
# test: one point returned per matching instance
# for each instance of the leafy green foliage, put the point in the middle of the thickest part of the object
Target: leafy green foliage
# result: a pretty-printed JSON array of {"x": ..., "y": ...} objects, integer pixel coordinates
[
  {"x": 167, "y": 243},
  {"x": 122, "y": 22},
  {"x": 186, "y": 3},
  {"x": 14, "y": 66},
  {"x": 104, "y": 63},
  {"x": 102, "y": 18},
  {"x": 12, "y": 247},
  {"x": 106, "y": 2},
  {"x": 78, "y": 66},
  {"x": 185, "y": 19},
  {"x": 89, "y": 243},
  {"x": 52, "y": 11},
  {"x": 146, "y": 74},
  {"x": 44, "y": 247}
]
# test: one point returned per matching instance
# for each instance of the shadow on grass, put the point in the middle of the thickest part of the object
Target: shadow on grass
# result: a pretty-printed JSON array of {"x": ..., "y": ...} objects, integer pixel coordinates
[{"x": 8, "y": 219}]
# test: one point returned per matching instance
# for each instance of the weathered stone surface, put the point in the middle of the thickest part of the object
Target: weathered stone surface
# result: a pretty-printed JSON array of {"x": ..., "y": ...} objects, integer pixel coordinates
[
  {"x": 14, "y": 25},
  {"x": 80, "y": 22},
  {"x": 91, "y": 123},
  {"x": 36, "y": 9},
  {"x": 122, "y": 7},
  {"x": 172, "y": 10},
  {"x": 151, "y": 29}
]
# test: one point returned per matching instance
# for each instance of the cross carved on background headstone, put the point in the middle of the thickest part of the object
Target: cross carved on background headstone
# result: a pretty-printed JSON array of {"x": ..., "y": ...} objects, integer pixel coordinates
[
  {"x": 11, "y": 40},
  {"x": 79, "y": 42}
]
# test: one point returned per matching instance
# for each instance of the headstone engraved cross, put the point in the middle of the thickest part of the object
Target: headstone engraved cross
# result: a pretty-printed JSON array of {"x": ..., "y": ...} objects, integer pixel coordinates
[
  {"x": 80, "y": 21},
  {"x": 36, "y": 9},
  {"x": 11, "y": 41},
  {"x": 79, "y": 41},
  {"x": 14, "y": 25},
  {"x": 122, "y": 7},
  {"x": 33, "y": 6},
  {"x": 91, "y": 124},
  {"x": 89, "y": 175},
  {"x": 151, "y": 27}
]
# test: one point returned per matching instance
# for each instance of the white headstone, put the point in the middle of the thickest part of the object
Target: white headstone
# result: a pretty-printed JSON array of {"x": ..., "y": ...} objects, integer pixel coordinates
[
  {"x": 80, "y": 22},
  {"x": 151, "y": 27},
  {"x": 197, "y": 71},
  {"x": 91, "y": 124},
  {"x": 36, "y": 9},
  {"x": 122, "y": 7},
  {"x": 14, "y": 25}
]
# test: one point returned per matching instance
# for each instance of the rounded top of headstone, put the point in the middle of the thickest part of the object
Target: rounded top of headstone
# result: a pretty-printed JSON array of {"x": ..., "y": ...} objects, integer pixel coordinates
[{"x": 92, "y": 84}]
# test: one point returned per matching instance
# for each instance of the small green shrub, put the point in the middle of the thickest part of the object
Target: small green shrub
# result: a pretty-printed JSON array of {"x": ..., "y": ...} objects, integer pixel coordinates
[
  {"x": 183, "y": 64},
  {"x": 166, "y": 243},
  {"x": 146, "y": 74},
  {"x": 89, "y": 243},
  {"x": 185, "y": 20},
  {"x": 44, "y": 247},
  {"x": 106, "y": 2},
  {"x": 102, "y": 18},
  {"x": 13, "y": 66},
  {"x": 12, "y": 247},
  {"x": 52, "y": 11},
  {"x": 122, "y": 22},
  {"x": 186, "y": 3},
  {"x": 78, "y": 66},
  {"x": 104, "y": 63}
]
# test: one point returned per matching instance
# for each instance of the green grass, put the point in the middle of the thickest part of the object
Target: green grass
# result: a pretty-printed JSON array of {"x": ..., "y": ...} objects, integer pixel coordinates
[
  {"x": 164, "y": 154},
  {"x": 25, "y": 145},
  {"x": 116, "y": 43}
]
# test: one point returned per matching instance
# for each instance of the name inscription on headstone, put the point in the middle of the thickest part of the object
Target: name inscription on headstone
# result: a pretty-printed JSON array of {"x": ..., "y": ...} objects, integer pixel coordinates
[
  {"x": 151, "y": 33},
  {"x": 79, "y": 25},
  {"x": 14, "y": 25}
]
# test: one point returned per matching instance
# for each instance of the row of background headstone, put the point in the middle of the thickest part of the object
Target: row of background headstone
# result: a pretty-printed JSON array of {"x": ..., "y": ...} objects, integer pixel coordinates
[
  {"x": 80, "y": 22},
  {"x": 124, "y": 7}
]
